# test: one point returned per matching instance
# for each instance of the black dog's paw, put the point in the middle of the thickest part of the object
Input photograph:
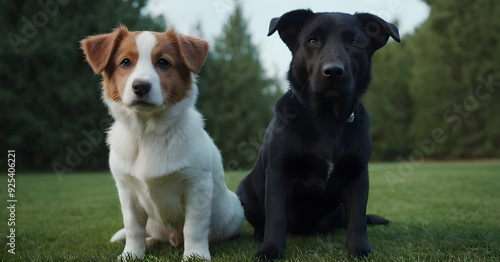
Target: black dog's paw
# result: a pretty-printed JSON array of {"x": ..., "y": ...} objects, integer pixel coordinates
[
  {"x": 359, "y": 251},
  {"x": 359, "y": 248},
  {"x": 269, "y": 253}
]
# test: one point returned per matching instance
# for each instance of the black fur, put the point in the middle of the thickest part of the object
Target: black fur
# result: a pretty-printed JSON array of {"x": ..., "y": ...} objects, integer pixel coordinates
[{"x": 311, "y": 174}]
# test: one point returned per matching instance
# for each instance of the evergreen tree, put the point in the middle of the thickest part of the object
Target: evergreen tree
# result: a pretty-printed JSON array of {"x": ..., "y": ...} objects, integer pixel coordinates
[
  {"x": 389, "y": 102},
  {"x": 455, "y": 74},
  {"x": 236, "y": 96},
  {"x": 49, "y": 97}
]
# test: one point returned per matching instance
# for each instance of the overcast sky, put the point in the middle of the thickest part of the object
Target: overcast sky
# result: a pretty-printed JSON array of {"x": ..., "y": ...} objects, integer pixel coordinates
[{"x": 275, "y": 56}]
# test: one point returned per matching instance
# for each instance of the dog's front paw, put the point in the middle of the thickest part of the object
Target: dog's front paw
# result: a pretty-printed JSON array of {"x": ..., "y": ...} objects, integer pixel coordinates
[
  {"x": 359, "y": 248},
  {"x": 269, "y": 253},
  {"x": 133, "y": 250},
  {"x": 128, "y": 256},
  {"x": 198, "y": 254}
]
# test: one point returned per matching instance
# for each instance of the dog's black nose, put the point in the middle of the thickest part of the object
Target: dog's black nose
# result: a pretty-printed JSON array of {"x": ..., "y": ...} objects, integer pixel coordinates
[
  {"x": 141, "y": 88},
  {"x": 333, "y": 70}
]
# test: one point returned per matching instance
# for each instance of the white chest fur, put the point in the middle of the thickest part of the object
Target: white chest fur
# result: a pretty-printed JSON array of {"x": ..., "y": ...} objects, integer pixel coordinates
[
  {"x": 160, "y": 198},
  {"x": 155, "y": 168}
]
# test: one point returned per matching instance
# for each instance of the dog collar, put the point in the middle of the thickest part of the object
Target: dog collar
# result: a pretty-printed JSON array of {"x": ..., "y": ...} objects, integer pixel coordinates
[{"x": 351, "y": 118}]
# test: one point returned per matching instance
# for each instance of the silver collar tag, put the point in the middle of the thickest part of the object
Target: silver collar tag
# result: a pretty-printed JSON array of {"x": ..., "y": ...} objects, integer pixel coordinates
[{"x": 351, "y": 118}]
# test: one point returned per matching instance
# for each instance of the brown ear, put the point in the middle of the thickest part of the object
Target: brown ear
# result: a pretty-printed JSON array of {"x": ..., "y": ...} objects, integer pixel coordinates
[
  {"x": 193, "y": 51},
  {"x": 99, "y": 48}
]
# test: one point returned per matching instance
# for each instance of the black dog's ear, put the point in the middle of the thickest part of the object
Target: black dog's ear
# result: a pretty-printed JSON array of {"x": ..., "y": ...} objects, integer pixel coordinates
[
  {"x": 378, "y": 29},
  {"x": 289, "y": 25}
]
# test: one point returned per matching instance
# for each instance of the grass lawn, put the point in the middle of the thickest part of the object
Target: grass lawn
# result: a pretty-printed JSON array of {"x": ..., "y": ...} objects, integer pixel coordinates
[{"x": 446, "y": 211}]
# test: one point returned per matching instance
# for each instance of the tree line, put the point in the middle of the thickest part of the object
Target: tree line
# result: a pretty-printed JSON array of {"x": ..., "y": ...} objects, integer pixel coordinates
[{"x": 432, "y": 96}]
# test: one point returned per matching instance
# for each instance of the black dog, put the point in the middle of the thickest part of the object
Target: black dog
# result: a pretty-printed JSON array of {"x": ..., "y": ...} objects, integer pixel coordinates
[{"x": 311, "y": 175}]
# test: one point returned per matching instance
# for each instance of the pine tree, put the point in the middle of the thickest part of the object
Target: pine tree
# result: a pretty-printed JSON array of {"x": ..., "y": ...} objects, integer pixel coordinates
[
  {"x": 236, "y": 96},
  {"x": 49, "y": 96},
  {"x": 454, "y": 78},
  {"x": 389, "y": 102}
]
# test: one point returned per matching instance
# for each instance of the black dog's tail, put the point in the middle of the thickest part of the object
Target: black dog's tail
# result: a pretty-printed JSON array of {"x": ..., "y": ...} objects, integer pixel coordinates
[{"x": 376, "y": 220}]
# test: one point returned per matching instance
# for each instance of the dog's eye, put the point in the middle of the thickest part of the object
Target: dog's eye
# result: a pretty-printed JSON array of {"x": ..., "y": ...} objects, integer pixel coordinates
[
  {"x": 354, "y": 43},
  {"x": 313, "y": 42},
  {"x": 126, "y": 63},
  {"x": 163, "y": 64}
]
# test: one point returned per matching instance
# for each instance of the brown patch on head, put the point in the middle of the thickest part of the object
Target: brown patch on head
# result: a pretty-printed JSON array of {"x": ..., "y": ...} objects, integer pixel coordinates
[
  {"x": 98, "y": 49},
  {"x": 115, "y": 76},
  {"x": 185, "y": 55},
  {"x": 103, "y": 53}
]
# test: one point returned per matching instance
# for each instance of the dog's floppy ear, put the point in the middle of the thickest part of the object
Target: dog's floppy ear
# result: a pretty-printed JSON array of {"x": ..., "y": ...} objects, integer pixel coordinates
[
  {"x": 378, "y": 29},
  {"x": 289, "y": 25},
  {"x": 98, "y": 49},
  {"x": 193, "y": 52}
]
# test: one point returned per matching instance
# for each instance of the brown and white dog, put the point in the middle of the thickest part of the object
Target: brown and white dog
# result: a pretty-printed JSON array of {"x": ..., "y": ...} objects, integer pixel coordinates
[{"x": 167, "y": 169}]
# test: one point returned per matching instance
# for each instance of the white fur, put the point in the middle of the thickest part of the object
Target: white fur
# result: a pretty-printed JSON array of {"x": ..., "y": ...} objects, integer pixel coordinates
[
  {"x": 144, "y": 70},
  {"x": 168, "y": 172}
]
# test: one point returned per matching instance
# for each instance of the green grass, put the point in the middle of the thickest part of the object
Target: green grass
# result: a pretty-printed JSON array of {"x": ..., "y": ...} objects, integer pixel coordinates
[{"x": 441, "y": 212}]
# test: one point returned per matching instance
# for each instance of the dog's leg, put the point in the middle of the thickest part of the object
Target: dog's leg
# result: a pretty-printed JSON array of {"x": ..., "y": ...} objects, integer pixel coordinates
[
  {"x": 134, "y": 219},
  {"x": 355, "y": 197},
  {"x": 198, "y": 200},
  {"x": 253, "y": 208},
  {"x": 275, "y": 227}
]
